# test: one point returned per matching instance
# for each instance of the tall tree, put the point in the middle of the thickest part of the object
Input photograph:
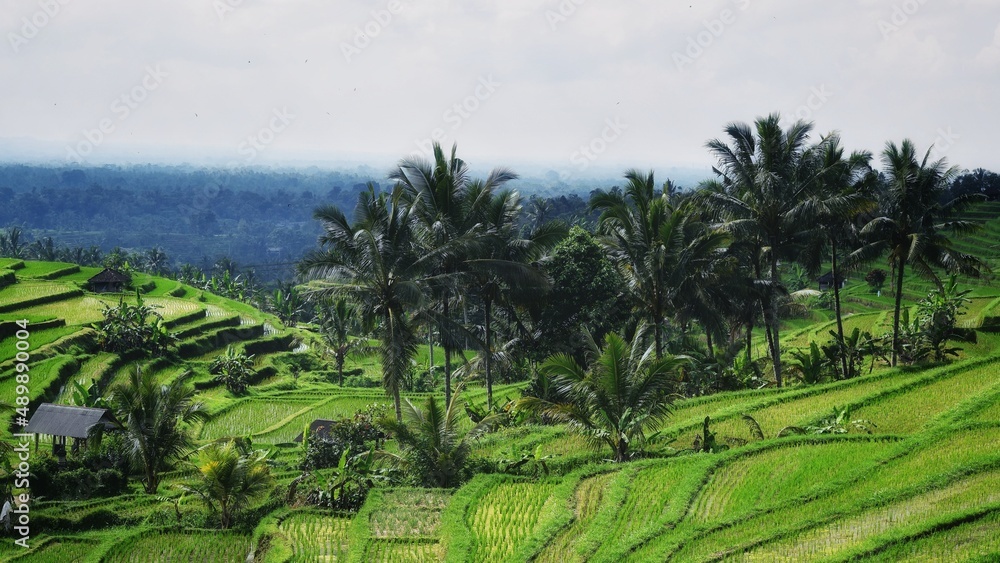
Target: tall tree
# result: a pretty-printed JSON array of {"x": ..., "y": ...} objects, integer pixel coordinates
[
  {"x": 154, "y": 418},
  {"x": 912, "y": 222},
  {"x": 765, "y": 175},
  {"x": 842, "y": 195},
  {"x": 373, "y": 263},
  {"x": 659, "y": 250},
  {"x": 448, "y": 208},
  {"x": 506, "y": 270},
  {"x": 337, "y": 318}
]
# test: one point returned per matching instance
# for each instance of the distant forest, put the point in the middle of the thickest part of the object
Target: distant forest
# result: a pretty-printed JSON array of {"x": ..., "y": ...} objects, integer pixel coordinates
[{"x": 254, "y": 218}]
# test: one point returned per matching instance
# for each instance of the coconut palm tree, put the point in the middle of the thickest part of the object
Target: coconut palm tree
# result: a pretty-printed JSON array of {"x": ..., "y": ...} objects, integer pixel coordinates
[
  {"x": 231, "y": 477},
  {"x": 154, "y": 418},
  {"x": 433, "y": 446},
  {"x": 373, "y": 263},
  {"x": 912, "y": 221},
  {"x": 625, "y": 393},
  {"x": 765, "y": 176},
  {"x": 337, "y": 318},
  {"x": 661, "y": 251},
  {"x": 506, "y": 270},
  {"x": 842, "y": 195},
  {"x": 448, "y": 208}
]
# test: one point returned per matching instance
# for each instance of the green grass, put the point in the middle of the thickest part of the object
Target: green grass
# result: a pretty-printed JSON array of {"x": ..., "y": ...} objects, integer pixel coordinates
[
  {"x": 503, "y": 516},
  {"x": 315, "y": 536},
  {"x": 964, "y": 541},
  {"x": 36, "y": 339},
  {"x": 184, "y": 546}
]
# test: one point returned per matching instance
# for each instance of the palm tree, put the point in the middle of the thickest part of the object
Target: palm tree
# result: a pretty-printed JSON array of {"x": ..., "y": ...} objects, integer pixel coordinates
[
  {"x": 842, "y": 195},
  {"x": 910, "y": 225},
  {"x": 448, "y": 208},
  {"x": 156, "y": 260},
  {"x": 660, "y": 251},
  {"x": 337, "y": 318},
  {"x": 765, "y": 178},
  {"x": 372, "y": 262},
  {"x": 505, "y": 272},
  {"x": 626, "y": 392},
  {"x": 231, "y": 478},
  {"x": 433, "y": 446},
  {"x": 153, "y": 417},
  {"x": 12, "y": 243}
]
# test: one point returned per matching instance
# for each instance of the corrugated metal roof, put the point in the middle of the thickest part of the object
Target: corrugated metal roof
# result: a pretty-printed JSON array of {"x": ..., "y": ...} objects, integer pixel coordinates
[{"x": 63, "y": 420}]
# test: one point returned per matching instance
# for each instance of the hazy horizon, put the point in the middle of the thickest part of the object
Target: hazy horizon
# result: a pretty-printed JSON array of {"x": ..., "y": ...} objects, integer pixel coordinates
[{"x": 579, "y": 87}]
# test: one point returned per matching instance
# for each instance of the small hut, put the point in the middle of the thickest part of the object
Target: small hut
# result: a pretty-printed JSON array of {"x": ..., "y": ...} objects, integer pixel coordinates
[
  {"x": 826, "y": 281},
  {"x": 319, "y": 428},
  {"x": 109, "y": 281},
  {"x": 63, "y": 421}
]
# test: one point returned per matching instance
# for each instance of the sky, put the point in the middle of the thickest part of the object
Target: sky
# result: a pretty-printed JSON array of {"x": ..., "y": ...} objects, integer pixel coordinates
[{"x": 574, "y": 86}]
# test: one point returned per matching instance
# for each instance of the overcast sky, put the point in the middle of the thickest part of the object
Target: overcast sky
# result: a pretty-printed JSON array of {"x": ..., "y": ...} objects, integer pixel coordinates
[{"x": 573, "y": 85}]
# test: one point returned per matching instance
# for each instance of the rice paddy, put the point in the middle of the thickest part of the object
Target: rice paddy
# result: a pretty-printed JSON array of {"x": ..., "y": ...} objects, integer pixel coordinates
[{"x": 922, "y": 488}]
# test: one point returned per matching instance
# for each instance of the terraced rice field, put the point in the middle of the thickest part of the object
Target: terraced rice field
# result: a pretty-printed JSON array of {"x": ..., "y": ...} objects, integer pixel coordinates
[
  {"x": 504, "y": 516},
  {"x": 316, "y": 537},
  {"x": 170, "y": 547},
  {"x": 251, "y": 417}
]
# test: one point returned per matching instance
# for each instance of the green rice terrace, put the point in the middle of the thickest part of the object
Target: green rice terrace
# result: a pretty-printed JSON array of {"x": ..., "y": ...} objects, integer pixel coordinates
[{"x": 907, "y": 469}]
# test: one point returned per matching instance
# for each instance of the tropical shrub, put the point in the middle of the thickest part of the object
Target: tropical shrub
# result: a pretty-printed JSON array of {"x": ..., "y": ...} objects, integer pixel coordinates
[
  {"x": 131, "y": 328},
  {"x": 230, "y": 476},
  {"x": 625, "y": 393},
  {"x": 433, "y": 450},
  {"x": 233, "y": 369},
  {"x": 876, "y": 279},
  {"x": 357, "y": 434}
]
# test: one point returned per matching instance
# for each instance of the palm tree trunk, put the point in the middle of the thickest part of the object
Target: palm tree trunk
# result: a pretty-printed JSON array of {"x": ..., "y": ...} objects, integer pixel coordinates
[
  {"x": 773, "y": 318},
  {"x": 659, "y": 339},
  {"x": 895, "y": 315},
  {"x": 836, "y": 308},
  {"x": 489, "y": 354},
  {"x": 430, "y": 348},
  {"x": 447, "y": 357},
  {"x": 708, "y": 338}
]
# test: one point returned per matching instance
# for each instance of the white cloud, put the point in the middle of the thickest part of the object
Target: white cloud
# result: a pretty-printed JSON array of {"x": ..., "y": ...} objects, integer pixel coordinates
[{"x": 601, "y": 60}]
